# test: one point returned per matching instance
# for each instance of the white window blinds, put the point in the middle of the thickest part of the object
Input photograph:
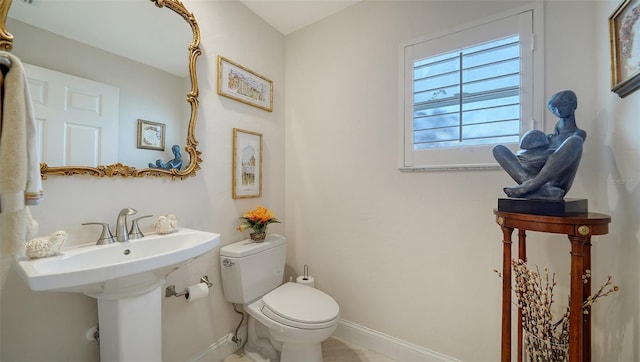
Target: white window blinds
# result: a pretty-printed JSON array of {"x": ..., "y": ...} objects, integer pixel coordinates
[
  {"x": 469, "y": 97},
  {"x": 466, "y": 91}
]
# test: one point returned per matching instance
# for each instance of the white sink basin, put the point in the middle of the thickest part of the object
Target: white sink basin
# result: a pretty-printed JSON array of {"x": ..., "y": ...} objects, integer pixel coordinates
[
  {"x": 116, "y": 267},
  {"x": 126, "y": 279}
]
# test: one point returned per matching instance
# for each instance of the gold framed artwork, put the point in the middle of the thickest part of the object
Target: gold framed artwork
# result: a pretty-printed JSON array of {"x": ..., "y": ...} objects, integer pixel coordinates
[
  {"x": 624, "y": 33},
  {"x": 247, "y": 164},
  {"x": 244, "y": 85},
  {"x": 151, "y": 135}
]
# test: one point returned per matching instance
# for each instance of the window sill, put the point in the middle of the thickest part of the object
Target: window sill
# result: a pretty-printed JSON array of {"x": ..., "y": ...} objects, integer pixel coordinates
[{"x": 478, "y": 167}]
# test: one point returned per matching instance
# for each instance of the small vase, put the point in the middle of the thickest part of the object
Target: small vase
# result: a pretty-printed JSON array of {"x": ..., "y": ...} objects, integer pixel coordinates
[{"x": 258, "y": 237}]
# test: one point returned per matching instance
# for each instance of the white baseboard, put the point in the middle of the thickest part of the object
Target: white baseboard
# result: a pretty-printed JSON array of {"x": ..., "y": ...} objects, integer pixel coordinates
[
  {"x": 370, "y": 339},
  {"x": 223, "y": 348},
  {"x": 392, "y": 347}
]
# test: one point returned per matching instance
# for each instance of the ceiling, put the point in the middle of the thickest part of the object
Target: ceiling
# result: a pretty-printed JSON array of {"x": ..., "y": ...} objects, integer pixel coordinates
[{"x": 287, "y": 16}]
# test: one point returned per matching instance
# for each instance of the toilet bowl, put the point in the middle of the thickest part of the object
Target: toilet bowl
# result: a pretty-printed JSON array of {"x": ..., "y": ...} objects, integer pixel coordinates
[{"x": 296, "y": 317}]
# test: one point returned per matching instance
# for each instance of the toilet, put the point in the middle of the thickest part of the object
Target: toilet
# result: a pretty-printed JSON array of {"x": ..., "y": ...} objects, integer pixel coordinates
[{"x": 287, "y": 321}]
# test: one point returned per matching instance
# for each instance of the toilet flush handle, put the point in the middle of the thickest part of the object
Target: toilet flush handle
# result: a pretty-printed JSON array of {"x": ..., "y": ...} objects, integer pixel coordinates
[{"x": 227, "y": 263}]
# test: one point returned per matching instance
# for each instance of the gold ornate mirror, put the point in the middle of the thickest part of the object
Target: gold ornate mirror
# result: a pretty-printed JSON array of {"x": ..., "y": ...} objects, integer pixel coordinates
[
  {"x": 142, "y": 24},
  {"x": 6, "y": 39}
]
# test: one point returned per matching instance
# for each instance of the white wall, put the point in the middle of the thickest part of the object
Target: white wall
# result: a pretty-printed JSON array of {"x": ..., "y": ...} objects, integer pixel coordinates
[
  {"x": 617, "y": 189},
  {"x": 42, "y": 326},
  {"x": 411, "y": 254}
]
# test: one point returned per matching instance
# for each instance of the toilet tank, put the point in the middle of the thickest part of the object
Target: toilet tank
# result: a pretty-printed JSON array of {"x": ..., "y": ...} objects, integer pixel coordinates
[{"x": 250, "y": 270}]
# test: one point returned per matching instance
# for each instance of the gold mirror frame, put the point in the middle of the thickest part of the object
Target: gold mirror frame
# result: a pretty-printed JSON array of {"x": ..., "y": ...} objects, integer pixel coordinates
[
  {"x": 6, "y": 39},
  {"x": 118, "y": 169}
]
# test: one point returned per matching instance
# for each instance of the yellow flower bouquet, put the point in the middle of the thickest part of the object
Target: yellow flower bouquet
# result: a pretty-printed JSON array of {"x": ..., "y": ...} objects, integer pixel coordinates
[{"x": 257, "y": 219}]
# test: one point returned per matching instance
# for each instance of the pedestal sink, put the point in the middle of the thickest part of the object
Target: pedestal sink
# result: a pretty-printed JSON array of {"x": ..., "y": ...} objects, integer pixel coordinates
[{"x": 125, "y": 278}]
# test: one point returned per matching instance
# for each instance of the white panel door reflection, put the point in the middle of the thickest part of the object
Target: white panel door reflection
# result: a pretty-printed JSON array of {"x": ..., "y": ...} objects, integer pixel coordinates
[{"x": 77, "y": 118}]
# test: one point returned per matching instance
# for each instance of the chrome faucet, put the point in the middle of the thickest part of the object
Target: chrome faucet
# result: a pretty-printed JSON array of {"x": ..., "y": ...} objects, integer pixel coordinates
[{"x": 121, "y": 226}]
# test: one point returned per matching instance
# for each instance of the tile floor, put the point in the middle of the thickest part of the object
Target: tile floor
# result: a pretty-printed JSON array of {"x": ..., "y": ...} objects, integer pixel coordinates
[{"x": 334, "y": 349}]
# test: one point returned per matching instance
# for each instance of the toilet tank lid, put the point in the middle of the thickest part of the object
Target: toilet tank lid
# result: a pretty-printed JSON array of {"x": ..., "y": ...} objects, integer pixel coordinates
[{"x": 248, "y": 247}]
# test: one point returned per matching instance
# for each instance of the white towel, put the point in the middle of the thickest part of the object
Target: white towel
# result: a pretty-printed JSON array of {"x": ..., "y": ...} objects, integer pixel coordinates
[
  {"x": 18, "y": 140},
  {"x": 20, "y": 182}
]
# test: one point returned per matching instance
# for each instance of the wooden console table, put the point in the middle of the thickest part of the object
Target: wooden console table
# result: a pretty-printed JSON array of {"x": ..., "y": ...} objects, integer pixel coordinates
[{"x": 579, "y": 228}]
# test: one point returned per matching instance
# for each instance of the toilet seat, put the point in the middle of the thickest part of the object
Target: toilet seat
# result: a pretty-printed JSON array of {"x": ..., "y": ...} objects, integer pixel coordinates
[{"x": 300, "y": 306}]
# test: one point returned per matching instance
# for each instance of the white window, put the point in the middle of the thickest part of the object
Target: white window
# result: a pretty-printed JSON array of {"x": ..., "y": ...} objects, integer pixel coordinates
[{"x": 468, "y": 90}]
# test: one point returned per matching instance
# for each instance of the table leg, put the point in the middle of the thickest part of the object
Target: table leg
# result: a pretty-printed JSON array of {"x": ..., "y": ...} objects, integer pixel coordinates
[
  {"x": 575, "y": 305},
  {"x": 506, "y": 294},
  {"x": 586, "y": 292},
  {"x": 522, "y": 255}
]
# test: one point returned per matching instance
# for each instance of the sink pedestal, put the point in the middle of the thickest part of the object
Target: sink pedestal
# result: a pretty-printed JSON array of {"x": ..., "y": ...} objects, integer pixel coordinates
[{"x": 131, "y": 326}]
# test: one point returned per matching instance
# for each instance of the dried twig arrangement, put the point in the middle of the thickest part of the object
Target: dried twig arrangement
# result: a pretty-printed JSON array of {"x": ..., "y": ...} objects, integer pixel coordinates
[{"x": 545, "y": 340}]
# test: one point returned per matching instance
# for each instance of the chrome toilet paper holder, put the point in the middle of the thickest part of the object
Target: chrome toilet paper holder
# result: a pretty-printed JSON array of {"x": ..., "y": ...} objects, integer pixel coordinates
[{"x": 170, "y": 291}]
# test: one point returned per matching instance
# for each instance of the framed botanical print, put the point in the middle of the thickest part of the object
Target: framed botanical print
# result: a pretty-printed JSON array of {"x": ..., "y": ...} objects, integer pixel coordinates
[
  {"x": 624, "y": 32},
  {"x": 247, "y": 164}
]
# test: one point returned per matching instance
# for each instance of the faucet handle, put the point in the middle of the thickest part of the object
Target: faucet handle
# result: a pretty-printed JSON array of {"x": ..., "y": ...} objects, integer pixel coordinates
[
  {"x": 134, "y": 232},
  {"x": 105, "y": 237}
]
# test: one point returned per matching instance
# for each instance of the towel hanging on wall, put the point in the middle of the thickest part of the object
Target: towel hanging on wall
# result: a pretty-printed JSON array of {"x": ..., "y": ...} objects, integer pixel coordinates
[
  {"x": 20, "y": 182},
  {"x": 19, "y": 160}
]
